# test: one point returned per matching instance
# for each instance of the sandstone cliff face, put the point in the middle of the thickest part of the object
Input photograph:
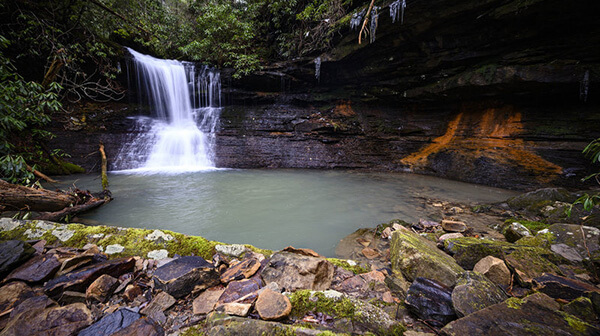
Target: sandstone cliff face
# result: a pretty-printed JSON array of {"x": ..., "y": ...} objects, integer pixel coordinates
[{"x": 488, "y": 91}]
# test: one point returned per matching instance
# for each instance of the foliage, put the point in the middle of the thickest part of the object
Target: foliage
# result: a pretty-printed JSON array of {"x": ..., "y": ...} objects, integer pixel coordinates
[
  {"x": 23, "y": 114},
  {"x": 591, "y": 151}
]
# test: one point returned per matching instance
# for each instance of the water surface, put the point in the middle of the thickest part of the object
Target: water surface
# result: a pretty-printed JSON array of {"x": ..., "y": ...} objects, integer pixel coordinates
[{"x": 274, "y": 208}]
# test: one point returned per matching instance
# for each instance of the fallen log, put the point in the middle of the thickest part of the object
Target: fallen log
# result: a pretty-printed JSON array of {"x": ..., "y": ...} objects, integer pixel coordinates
[
  {"x": 21, "y": 198},
  {"x": 71, "y": 212},
  {"x": 41, "y": 175}
]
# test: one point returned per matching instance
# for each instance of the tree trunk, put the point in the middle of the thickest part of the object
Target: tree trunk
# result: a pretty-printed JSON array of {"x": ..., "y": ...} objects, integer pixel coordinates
[{"x": 21, "y": 198}]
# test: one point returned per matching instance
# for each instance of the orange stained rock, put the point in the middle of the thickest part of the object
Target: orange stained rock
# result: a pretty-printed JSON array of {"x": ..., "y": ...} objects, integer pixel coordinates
[
  {"x": 343, "y": 108},
  {"x": 491, "y": 135}
]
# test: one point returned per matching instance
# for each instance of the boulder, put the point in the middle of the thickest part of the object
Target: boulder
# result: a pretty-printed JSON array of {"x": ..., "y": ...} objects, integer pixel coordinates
[
  {"x": 243, "y": 291},
  {"x": 225, "y": 325},
  {"x": 242, "y": 270},
  {"x": 180, "y": 276},
  {"x": 494, "y": 269},
  {"x": 514, "y": 231},
  {"x": 431, "y": 301},
  {"x": 37, "y": 269},
  {"x": 516, "y": 317},
  {"x": 78, "y": 281},
  {"x": 207, "y": 300},
  {"x": 293, "y": 271},
  {"x": 67, "y": 320},
  {"x": 367, "y": 285},
  {"x": 111, "y": 323},
  {"x": 160, "y": 302},
  {"x": 12, "y": 254},
  {"x": 560, "y": 287},
  {"x": 474, "y": 292},
  {"x": 101, "y": 289},
  {"x": 535, "y": 200},
  {"x": 142, "y": 327},
  {"x": 271, "y": 305},
  {"x": 416, "y": 257}
]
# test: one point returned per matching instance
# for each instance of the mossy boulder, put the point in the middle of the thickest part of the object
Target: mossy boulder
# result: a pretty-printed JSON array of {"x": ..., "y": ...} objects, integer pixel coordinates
[
  {"x": 358, "y": 316},
  {"x": 135, "y": 242},
  {"x": 535, "y": 200},
  {"x": 413, "y": 257},
  {"x": 515, "y": 231},
  {"x": 520, "y": 317},
  {"x": 531, "y": 261},
  {"x": 581, "y": 238},
  {"x": 581, "y": 307},
  {"x": 474, "y": 292}
]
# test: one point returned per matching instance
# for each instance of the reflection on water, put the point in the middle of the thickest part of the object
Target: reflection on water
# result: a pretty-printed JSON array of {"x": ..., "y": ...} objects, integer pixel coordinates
[{"x": 274, "y": 208}]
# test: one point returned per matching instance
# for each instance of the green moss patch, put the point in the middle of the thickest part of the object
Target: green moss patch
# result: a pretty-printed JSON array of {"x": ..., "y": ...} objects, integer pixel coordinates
[
  {"x": 356, "y": 269},
  {"x": 532, "y": 226}
]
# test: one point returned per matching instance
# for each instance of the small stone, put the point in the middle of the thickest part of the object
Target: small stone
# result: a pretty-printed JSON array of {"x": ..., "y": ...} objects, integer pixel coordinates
[
  {"x": 234, "y": 308},
  {"x": 102, "y": 288},
  {"x": 132, "y": 292},
  {"x": 386, "y": 233},
  {"x": 63, "y": 234},
  {"x": 158, "y": 254},
  {"x": 515, "y": 231},
  {"x": 207, "y": 300},
  {"x": 157, "y": 234},
  {"x": 39, "y": 246},
  {"x": 453, "y": 226},
  {"x": 302, "y": 251},
  {"x": 242, "y": 270},
  {"x": 449, "y": 236},
  {"x": 363, "y": 242},
  {"x": 115, "y": 248},
  {"x": 370, "y": 253},
  {"x": 494, "y": 269},
  {"x": 234, "y": 250},
  {"x": 161, "y": 302},
  {"x": 180, "y": 276},
  {"x": 271, "y": 305},
  {"x": 456, "y": 210}
]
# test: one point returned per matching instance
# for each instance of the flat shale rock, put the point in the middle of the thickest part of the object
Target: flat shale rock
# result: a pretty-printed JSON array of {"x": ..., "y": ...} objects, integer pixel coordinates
[
  {"x": 220, "y": 324},
  {"x": 12, "y": 254},
  {"x": 207, "y": 300},
  {"x": 37, "y": 269},
  {"x": 234, "y": 308},
  {"x": 431, "y": 301},
  {"x": 243, "y": 291},
  {"x": 473, "y": 292},
  {"x": 515, "y": 317},
  {"x": 293, "y": 271},
  {"x": 180, "y": 276},
  {"x": 142, "y": 327},
  {"x": 416, "y": 257},
  {"x": 560, "y": 287},
  {"x": 242, "y": 270},
  {"x": 161, "y": 302},
  {"x": 102, "y": 288},
  {"x": 67, "y": 320},
  {"x": 111, "y": 323},
  {"x": 78, "y": 281},
  {"x": 272, "y": 305}
]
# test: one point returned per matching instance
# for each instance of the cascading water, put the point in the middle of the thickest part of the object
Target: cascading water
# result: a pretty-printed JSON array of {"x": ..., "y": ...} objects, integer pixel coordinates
[{"x": 185, "y": 104}]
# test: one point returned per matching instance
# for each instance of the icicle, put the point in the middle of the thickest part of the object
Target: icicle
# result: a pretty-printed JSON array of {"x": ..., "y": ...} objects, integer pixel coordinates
[
  {"x": 357, "y": 19},
  {"x": 374, "y": 19},
  {"x": 584, "y": 86},
  {"x": 318, "y": 68},
  {"x": 397, "y": 7}
]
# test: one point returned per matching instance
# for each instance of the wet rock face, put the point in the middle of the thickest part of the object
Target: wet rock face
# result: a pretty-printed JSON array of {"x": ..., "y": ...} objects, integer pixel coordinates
[
  {"x": 474, "y": 292},
  {"x": 12, "y": 253}
]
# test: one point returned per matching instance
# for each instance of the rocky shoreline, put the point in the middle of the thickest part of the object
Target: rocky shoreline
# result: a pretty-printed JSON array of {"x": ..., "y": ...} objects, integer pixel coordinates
[{"x": 516, "y": 268}]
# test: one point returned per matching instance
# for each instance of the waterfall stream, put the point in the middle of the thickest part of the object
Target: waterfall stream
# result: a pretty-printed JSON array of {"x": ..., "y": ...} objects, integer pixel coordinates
[{"x": 184, "y": 101}]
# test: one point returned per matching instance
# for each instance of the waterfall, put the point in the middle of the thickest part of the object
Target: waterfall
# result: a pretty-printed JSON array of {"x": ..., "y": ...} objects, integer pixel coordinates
[{"x": 184, "y": 101}]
